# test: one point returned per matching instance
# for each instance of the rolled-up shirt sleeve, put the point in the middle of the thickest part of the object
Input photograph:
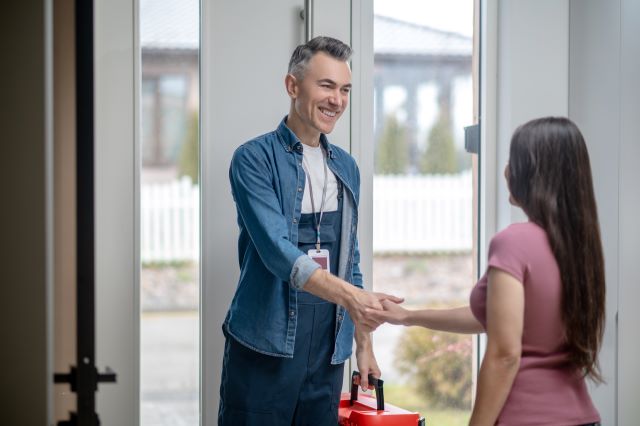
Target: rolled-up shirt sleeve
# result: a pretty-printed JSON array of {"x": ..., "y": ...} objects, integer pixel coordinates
[
  {"x": 302, "y": 270},
  {"x": 268, "y": 228}
]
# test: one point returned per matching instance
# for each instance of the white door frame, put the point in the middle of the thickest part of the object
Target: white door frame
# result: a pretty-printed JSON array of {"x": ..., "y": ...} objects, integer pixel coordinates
[{"x": 117, "y": 171}]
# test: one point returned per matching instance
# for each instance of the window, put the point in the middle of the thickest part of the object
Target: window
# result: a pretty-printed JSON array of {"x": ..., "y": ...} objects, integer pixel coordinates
[
  {"x": 169, "y": 209},
  {"x": 423, "y": 198}
]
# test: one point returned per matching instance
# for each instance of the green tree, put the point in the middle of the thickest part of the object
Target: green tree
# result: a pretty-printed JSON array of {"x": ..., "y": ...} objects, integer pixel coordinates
[
  {"x": 392, "y": 155},
  {"x": 440, "y": 156},
  {"x": 188, "y": 162},
  {"x": 438, "y": 365}
]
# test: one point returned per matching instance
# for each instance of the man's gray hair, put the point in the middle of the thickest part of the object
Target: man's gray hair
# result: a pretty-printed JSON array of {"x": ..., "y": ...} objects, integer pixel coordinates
[{"x": 303, "y": 53}]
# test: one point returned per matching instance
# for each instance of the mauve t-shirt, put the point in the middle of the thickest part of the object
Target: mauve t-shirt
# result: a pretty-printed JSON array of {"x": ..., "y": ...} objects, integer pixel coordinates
[{"x": 546, "y": 390}]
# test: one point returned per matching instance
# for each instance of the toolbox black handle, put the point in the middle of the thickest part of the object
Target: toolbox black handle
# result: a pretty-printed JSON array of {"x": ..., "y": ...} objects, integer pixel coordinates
[{"x": 374, "y": 383}]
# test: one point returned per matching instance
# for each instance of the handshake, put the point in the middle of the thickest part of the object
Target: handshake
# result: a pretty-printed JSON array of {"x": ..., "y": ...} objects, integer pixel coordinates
[{"x": 368, "y": 310}]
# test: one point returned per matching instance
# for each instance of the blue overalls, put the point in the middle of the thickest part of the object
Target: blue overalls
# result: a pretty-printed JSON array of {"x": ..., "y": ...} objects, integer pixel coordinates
[{"x": 305, "y": 389}]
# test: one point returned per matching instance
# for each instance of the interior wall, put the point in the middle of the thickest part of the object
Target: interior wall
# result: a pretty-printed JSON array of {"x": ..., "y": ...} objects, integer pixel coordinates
[
  {"x": 629, "y": 290},
  {"x": 532, "y": 73},
  {"x": 605, "y": 103},
  {"x": 64, "y": 343},
  {"x": 594, "y": 104},
  {"x": 581, "y": 58},
  {"x": 25, "y": 31}
]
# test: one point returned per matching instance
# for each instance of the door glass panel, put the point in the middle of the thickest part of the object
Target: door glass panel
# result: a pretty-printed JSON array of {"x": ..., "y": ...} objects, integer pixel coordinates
[
  {"x": 423, "y": 196},
  {"x": 169, "y": 212}
]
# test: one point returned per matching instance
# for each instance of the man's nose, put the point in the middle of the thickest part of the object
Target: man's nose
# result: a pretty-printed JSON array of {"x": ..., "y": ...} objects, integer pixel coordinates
[{"x": 336, "y": 99}]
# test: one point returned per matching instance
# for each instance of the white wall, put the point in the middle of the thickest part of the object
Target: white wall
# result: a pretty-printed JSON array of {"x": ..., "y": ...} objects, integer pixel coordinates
[
  {"x": 605, "y": 103},
  {"x": 629, "y": 175},
  {"x": 579, "y": 58},
  {"x": 594, "y": 104},
  {"x": 532, "y": 77}
]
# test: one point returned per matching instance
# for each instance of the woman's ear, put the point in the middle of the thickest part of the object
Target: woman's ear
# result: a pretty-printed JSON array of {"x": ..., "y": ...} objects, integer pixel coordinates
[{"x": 291, "y": 84}]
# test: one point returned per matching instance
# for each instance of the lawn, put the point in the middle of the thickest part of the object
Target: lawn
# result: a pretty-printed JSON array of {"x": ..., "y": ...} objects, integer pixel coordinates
[{"x": 404, "y": 397}]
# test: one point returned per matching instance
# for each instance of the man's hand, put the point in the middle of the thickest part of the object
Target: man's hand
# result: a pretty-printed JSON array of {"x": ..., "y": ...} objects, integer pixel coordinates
[
  {"x": 357, "y": 304},
  {"x": 366, "y": 360},
  {"x": 355, "y": 300},
  {"x": 362, "y": 303}
]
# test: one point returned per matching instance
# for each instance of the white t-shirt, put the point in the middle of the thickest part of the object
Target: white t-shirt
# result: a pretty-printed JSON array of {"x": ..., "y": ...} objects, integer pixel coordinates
[{"x": 314, "y": 167}]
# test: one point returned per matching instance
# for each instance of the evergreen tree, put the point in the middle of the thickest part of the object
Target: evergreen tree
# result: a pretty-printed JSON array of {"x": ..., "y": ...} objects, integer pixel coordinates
[
  {"x": 188, "y": 163},
  {"x": 393, "y": 155},
  {"x": 440, "y": 156}
]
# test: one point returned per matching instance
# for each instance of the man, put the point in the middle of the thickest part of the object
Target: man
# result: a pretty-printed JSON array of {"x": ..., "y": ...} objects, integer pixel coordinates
[{"x": 299, "y": 299}]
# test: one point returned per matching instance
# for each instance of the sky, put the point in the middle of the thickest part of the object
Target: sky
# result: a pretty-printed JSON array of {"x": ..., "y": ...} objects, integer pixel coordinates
[{"x": 448, "y": 15}]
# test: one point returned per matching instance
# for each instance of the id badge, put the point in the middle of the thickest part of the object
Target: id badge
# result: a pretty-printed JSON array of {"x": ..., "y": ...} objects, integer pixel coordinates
[{"x": 321, "y": 257}]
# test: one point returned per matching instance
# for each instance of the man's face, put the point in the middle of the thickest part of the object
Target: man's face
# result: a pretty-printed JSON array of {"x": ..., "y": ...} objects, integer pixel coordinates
[{"x": 323, "y": 94}]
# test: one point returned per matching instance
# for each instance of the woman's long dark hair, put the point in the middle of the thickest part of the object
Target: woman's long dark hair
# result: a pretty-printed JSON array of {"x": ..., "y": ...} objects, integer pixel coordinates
[{"x": 550, "y": 178}]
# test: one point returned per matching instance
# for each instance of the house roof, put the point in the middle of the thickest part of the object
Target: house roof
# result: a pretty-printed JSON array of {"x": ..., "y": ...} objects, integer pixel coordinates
[
  {"x": 169, "y": 24},
  {"x": 173, "y": 24},
  {"x": 400, "y": 38}
]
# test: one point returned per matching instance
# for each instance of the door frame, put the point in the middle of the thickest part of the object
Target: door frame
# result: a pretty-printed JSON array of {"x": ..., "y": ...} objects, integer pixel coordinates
[{"x": 117, "y": 181}]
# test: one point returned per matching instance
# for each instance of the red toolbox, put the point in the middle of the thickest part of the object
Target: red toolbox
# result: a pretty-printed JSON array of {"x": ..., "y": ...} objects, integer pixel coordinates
[{"x": 365, "y": 410}]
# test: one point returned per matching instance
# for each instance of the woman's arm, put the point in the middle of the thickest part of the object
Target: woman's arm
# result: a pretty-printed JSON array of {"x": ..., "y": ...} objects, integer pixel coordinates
[
  {"x": 505, "y": 317},
  {"x": 455, "y": 320}
]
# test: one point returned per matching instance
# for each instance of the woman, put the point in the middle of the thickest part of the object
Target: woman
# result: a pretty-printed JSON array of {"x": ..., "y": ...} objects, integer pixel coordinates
[{"x": 541, "y": 301}]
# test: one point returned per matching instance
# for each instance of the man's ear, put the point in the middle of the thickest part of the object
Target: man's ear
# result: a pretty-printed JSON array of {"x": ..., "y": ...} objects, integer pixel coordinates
[{"x": 291, "y": 84}]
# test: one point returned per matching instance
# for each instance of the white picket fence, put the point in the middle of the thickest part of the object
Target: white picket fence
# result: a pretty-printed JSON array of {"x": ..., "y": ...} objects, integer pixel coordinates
[
  {"x": 423, "y": 214},
  {"x": 169, "y": 221},
  {"x": 411, "y": 214}
]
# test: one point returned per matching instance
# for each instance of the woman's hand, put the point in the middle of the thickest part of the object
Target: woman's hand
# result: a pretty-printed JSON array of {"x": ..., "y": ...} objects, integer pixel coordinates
[{"x": 393, "y": 313}]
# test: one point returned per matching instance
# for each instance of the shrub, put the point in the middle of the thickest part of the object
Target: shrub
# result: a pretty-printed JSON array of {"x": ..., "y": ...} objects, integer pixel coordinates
[{"x": 438, "y": 364}]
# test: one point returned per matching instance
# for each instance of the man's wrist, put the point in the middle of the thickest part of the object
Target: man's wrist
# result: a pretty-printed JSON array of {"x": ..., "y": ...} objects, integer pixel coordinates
[
  {"x": 346, "y": 294},
  {"x": 363, "y": 340}
]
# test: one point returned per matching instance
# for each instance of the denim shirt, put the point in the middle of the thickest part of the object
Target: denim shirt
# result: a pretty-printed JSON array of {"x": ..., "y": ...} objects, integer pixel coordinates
[{"x": 267, "y": 182}]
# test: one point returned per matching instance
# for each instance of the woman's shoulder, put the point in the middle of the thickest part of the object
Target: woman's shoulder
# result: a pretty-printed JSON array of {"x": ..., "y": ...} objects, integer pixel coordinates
[
  {"x": 521, "y": 235},
  {"x": 520, "y": 230}
]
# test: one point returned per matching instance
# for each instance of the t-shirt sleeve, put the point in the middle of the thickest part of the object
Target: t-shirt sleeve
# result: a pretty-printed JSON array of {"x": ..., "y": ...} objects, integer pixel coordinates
[{"x": 506, "y": 252}]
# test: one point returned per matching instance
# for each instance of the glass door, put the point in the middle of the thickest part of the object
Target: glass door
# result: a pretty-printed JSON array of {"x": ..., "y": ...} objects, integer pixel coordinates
[
  {"x": 169, "y": 212},
  {"x": 424, "y": 198}
]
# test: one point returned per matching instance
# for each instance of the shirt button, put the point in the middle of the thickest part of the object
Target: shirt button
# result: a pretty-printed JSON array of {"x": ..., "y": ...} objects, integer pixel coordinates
[
  {"x": 300, "y": 163},
  {"x": 295, "y": 220},
  {"x": 299, "y": 189},
  {"x": 292, "y": 314},
  {"x": 340, "y": 317}
]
